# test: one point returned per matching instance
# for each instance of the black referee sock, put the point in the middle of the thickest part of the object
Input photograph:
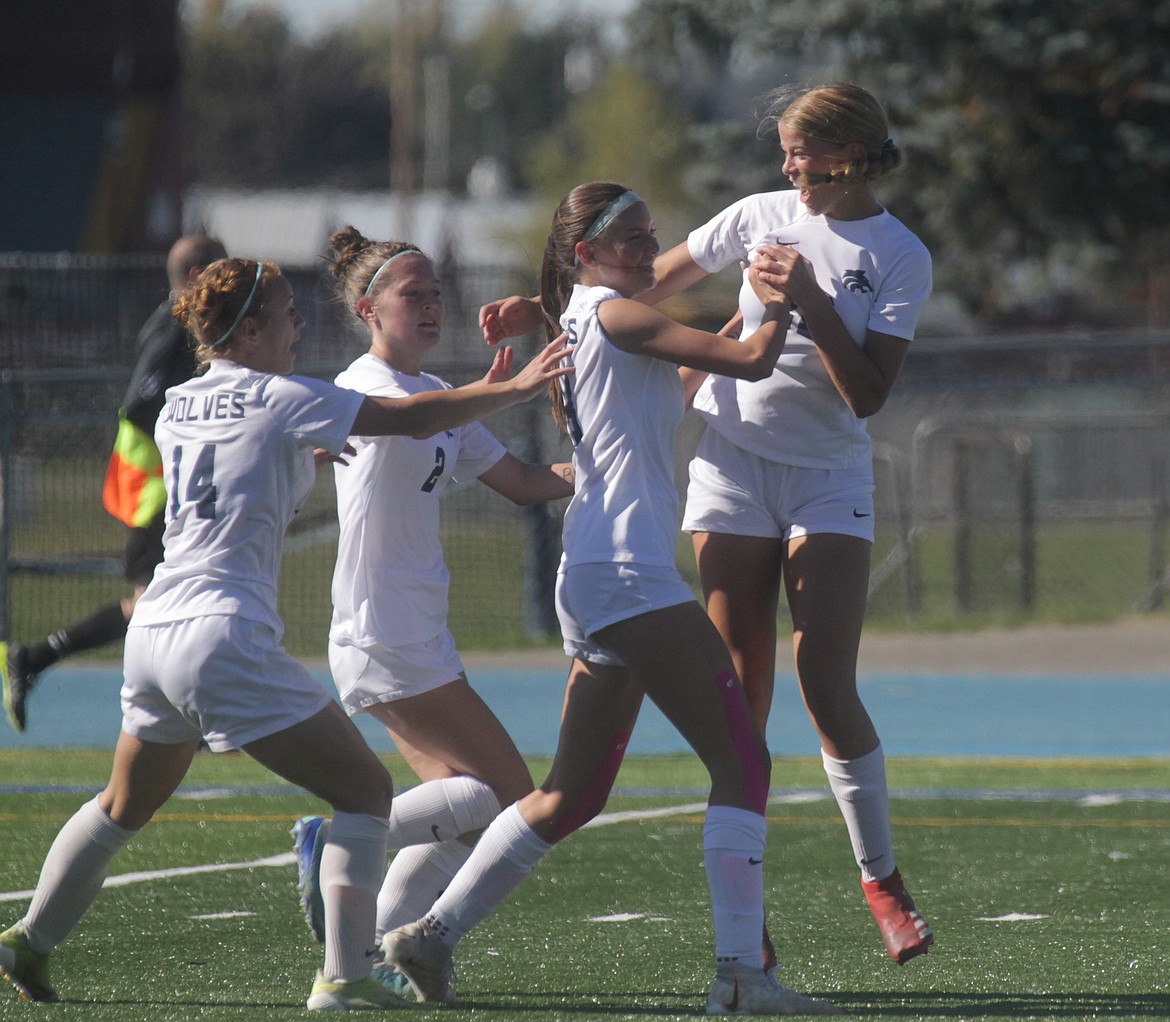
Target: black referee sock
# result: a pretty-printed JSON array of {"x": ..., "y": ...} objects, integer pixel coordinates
[{"x": 100, "y": 629}]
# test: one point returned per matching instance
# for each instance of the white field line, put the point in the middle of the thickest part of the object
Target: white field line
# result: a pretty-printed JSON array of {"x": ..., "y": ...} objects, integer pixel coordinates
[
  {"x": 604, "y": 819},
  {"x": 289, "y": 859},
  {"x": 123, "y": 879}
]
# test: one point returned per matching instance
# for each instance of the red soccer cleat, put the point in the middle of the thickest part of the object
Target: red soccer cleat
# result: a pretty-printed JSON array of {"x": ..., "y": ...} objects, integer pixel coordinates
[{"x": 905, "y": 933}]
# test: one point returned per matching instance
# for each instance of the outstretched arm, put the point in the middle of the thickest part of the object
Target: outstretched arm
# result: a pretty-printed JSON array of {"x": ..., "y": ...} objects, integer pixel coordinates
[
  {"x": 516, "y": 315},
  {"x": 427, "y": 413},
  {"x": 675, "y": 271},
  {"x": 510, "y": 317},
  {"x": 525, "y": 483},
  {"x": 635, "y": 328}
]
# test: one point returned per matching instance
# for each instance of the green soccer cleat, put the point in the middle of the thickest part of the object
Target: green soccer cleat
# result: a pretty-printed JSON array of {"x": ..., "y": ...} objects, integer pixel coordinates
[
  {"x": 361, "y": 995},
  {"x": 24, "y": 968}
]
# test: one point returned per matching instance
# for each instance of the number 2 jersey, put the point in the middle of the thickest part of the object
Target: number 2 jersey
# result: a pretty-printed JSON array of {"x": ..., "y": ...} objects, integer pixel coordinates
[
  {"x": 237, "y": 453},
  {"x": 390, "y": 581}
]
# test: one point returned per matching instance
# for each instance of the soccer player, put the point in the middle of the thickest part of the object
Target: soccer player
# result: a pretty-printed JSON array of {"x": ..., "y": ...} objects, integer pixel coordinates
[
  {"x": 203, "y": 655},
  {"x": 629, "y": 621},
  {"x": 391, "y": 652},
  {"x": 166, "y": 358},
  {"x": 781, "y": 487}
]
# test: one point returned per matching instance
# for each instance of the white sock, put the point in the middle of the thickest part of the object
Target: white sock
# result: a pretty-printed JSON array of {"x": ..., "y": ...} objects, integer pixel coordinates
[
  {"x": 441, "y": 811},
  {"x": 733, "y": 855},
  {"x": 416, "y": 877},
  {"x": 506, "y": 853},
  {"x": 351, "y": 869},
  {"x": 72, "y": 875},
  {"x": 859, "y": 786}
]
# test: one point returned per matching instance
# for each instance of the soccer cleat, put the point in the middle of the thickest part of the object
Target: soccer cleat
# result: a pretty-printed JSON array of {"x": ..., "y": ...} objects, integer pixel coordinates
[
  {"x": 424, "y": 960},
  {"x": 747, "y": 991},
  {"x": 17, "y": 681},
  {"x": 768, "y": 952},
  {"x": 24, "y": 968},
  {"x": 392, "y": 979},
  {"x": 905, "y": 933},
  {"x": 361, "y": 995},
  {"x": 309, "y": 836}
]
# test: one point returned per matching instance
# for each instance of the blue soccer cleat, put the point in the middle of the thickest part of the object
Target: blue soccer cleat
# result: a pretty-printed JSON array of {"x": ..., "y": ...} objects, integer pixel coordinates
[{"x": 309, "y": 836}]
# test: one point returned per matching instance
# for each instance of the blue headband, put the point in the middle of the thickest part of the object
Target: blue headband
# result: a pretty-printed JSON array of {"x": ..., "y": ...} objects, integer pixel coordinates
[
  {"x": 607, "y": 216},
  {"x": 374, "y": 278},
  {"x": 243, "y": 308}
]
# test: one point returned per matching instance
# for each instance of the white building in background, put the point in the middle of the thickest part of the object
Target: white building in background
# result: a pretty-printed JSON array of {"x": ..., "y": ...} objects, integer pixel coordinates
[{"x": 293, "y": 227}]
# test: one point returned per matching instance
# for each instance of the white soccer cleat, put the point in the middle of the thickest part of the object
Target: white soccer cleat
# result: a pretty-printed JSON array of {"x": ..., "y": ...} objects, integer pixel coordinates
[
  {"x": 424, "y": 960},
  {"x": 739, "y": 990}
]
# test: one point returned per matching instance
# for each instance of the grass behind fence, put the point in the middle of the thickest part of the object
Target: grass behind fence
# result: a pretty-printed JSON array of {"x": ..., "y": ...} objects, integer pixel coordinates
[
  {"x": 1084, "y": 571},
  {"x": 1044, "y": 909}
]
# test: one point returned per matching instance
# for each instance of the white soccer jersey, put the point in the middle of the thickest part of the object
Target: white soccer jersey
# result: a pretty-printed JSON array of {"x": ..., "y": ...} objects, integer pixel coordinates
[
  {"x": 623, "y": 411},
  {"x": 878, "y": 275},
  {"x": 390, "y": 581},
  {"x": 237, "y": 452}
]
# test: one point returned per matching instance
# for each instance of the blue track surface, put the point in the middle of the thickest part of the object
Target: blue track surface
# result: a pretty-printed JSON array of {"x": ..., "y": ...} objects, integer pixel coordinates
[{"x": 916, "y": 715}]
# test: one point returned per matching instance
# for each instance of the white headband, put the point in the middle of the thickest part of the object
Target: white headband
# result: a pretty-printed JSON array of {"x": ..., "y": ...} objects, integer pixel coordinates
[
  {"x": 374, "y": 278},
  {"x": 244, "y": 307}
]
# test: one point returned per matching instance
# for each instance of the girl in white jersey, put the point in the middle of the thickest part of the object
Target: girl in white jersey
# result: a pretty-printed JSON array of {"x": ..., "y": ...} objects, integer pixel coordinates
[
  {"x": 781, "y": 487},
  {"x": 203, "y": 655},
  {"x": 631, "y": 624},
  {"x": 390, "y": 650}
]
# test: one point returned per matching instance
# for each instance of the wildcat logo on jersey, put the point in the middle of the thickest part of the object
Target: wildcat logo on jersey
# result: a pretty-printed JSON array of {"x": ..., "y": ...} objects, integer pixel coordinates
[{"x": 857, "y": 282}]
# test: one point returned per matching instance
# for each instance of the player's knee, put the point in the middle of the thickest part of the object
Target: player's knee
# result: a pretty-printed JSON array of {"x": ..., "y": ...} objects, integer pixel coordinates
[
  {"x": 574, "y": 815},
  {"x": 473, "y": 804},
  {"x": 369, "y": 796},
  {"x": 554, "y": 815}
]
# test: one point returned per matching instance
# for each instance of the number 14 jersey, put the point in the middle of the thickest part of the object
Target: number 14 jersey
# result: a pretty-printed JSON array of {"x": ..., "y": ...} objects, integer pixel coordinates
[{"x": 237, "y": 454}]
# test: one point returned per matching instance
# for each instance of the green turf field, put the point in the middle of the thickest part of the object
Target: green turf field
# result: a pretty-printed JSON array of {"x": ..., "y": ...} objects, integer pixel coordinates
[{"x": 1046, "y": 904}]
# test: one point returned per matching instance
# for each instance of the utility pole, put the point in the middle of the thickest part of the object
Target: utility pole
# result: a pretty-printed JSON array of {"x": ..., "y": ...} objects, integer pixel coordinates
[{"x": 404, "y": 63}]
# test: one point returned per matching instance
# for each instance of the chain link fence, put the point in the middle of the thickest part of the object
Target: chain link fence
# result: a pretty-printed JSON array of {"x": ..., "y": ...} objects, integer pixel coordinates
[
  {"x": 1018, "y": 479},
  {"x": 67, "y": 332}
]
